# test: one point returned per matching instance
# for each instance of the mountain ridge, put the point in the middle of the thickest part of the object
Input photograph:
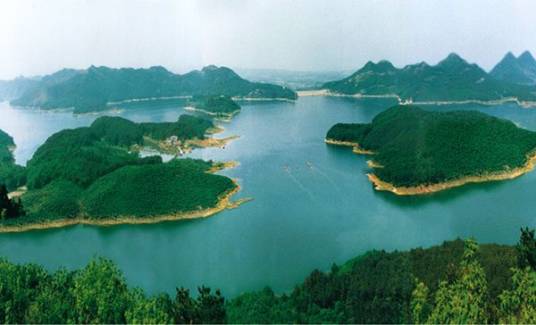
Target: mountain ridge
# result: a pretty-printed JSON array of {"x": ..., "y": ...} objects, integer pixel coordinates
[
  {"x": 93, "y": 88},
  {"x": 519, "y": 70},
  {"x": 451, "y": 79}
]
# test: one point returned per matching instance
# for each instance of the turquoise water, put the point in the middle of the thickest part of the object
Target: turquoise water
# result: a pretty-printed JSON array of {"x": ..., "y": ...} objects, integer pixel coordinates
[{"x": 313, "y": 204}]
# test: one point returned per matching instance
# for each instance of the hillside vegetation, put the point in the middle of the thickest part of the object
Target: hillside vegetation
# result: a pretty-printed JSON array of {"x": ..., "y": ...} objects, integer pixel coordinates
[
  {"x": 456, "y": 282},
  {"x": 452, "y": 79},
  {"x": 99, "y": 87},
  {"x": 416, "y": 147},
  {"x": 215, "y": 105},
  {"x": 96, "y": 172},
  {"x": 11, "y": 174}
]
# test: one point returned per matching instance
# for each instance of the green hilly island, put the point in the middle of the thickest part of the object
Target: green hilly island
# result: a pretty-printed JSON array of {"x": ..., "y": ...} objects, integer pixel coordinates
[
  {"x": 218, "y": 106},
  {"x": 416, "y": 151},
  {"x": 99, "y": 88},
  {"x": 451, "y": 80},
  {"x": 95, "y": 175}
]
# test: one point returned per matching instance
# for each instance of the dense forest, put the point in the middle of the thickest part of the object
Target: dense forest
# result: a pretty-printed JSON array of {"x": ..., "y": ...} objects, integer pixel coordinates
[
  {"x": 9, "y": 207},
  {"x": 452, "y": 79},
  {"x": 456, "y": 282},
  {"x": 99, "y": 87},
  {"x": 11, "y": 174},
  {"x": 215, "y": 105},
  {"x": 417, "y": 147},
  {"x": 94, "y": 172}
]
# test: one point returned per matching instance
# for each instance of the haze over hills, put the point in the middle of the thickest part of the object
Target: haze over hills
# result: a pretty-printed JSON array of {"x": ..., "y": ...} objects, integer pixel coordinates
[
  {"x": 520, "y": 70},
  {"x": 452, "y": 79},
  {"x": 94, "y": 88}
]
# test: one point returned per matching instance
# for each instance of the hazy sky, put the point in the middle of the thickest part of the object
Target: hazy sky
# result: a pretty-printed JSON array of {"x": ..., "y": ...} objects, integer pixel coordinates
[{"x": 38, "y": 37}]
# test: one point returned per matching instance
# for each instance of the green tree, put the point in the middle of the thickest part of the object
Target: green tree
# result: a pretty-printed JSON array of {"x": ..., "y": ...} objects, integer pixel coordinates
[
  {"x": 519, "y": 304},
  {"x": 100, "y": 293},
  {"x": 184, "y": 308},
  {"x": 19, "y": 285},
  {"x": 144, "y": 310},
  {"x": 54, "y": 303},
  {"x": 211, "y": 306},
  {"x": 526, "y": 249},
  {"x": 419, "y": 303},
  {"x": 465, "y": 300}
]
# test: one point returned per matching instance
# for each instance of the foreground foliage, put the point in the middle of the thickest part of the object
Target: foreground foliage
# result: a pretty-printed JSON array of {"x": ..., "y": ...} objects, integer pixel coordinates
[{"x": 456, "y": 282}]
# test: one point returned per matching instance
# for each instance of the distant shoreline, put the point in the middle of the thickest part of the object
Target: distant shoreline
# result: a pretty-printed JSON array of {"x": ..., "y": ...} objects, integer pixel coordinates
[
  {"x": 492, "y": 102},
  {"x": 226, "y": 117},
  {"x": 111, "y": 106}
]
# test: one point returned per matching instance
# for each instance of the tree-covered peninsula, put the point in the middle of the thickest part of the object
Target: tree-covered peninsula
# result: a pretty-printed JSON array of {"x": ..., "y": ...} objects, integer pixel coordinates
[
  {"x": 100, "y": 88},
  {"x": 219, "y": 106},
  {"x": 95, "y": 175},
  {"x": 456, "y": 282},
  {"x": 416, "y": 151}
]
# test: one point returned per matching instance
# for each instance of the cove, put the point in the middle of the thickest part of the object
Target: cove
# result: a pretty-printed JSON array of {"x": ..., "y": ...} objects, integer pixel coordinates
[{"x": 313, "y": 204}]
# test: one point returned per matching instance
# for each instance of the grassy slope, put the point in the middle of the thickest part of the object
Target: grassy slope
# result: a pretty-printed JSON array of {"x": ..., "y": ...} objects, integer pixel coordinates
[{"x": 419, "y": 147}]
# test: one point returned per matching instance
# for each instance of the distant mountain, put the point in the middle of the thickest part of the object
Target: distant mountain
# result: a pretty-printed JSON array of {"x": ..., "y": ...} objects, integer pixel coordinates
[
  {"x": 520, "y": 70},
  {"x": 452, "y": 79},
  {"x": 11, "y": 89},
  {"x": 94, "y": 88}
]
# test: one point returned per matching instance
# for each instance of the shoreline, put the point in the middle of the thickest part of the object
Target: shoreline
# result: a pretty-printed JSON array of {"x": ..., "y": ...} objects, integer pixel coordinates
[
  {"x": 491, "y": 102},
  {"x": 111, "y": 106},
  {"x": 381, "y": 185},
  {"x": 224, "y": 203},
  {"x": 225, "y": 117},
  {"x": 356, "y": 148}
]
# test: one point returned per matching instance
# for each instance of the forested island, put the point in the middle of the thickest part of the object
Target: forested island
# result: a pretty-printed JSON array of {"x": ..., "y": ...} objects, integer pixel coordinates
[
  {"x": 453, "y": 80},
  {"x": 418, "y": 152},
  {"x": 101, "y": 88},
  {"x": 95, "y": 175},
  {"x": 218, "y": 106},
  {"x": 456, "y": 282}
]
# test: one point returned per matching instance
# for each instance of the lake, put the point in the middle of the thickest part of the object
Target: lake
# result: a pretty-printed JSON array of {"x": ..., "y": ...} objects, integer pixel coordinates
[{"x": 312, "y": 203}]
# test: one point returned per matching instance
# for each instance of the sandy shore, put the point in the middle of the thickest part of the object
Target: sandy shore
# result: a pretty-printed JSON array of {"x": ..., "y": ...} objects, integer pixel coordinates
[
  {"x": 515, "y": 100},
  {"x": 224, "y": 202},
  {"x": 225, "y": 117},
  {"x": 381, "y": 185},
  {"x": 263, "y": 99},
  {"x": 521, "y": 103},
  {"x": 326, "y": 92},
  {"x": 356, "y": 148}
]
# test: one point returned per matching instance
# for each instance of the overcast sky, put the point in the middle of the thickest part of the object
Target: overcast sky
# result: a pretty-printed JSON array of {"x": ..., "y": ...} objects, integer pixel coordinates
[{"x": 38, "y": 37}]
